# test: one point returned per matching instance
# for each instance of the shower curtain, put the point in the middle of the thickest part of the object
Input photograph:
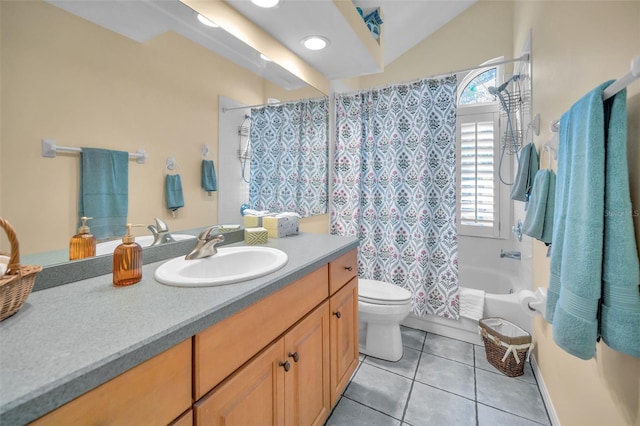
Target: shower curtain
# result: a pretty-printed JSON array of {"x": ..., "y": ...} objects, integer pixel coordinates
[
  {"x": 394, "y": 188},
  {"x": 289, "y": 157}
]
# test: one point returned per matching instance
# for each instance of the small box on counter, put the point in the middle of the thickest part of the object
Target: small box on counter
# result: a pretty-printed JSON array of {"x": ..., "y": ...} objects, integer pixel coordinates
[
  {"x": 251, "y": 221},
  {"x": 253, "y": 236},
  {"x": 281, "y": 225},
  {"x": 253, "y": 218}
]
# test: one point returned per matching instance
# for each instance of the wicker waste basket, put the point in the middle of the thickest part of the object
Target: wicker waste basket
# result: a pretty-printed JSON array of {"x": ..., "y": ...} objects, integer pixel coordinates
[
  {"x": 507, "y": 346},
  {"x": 17, "y": 281}
]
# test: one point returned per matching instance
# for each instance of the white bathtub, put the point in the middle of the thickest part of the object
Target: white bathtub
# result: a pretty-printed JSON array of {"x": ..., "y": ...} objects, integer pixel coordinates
[{"x": 501, "y": 300}]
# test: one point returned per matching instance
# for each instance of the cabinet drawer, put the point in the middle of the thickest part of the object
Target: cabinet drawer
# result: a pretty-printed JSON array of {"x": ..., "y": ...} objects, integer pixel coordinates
[
  {"x": 225, "y": 346},
  {"x": 155, "y": 392},
  {"x": 342, "y": 270}
]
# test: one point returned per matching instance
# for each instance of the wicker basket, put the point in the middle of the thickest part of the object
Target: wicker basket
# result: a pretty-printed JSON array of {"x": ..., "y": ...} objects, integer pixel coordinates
[
  {"x": 17, "y": 282},
  {"x": 507, "y": 346}
]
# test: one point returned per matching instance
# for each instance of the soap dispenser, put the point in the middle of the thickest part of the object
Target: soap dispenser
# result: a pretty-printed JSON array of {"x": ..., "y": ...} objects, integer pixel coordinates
[
  {"x": 127, "y": 260},
  {"x": 83, "y": 244}
]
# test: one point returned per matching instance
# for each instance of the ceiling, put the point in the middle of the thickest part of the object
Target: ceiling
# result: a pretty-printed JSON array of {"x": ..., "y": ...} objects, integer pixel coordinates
[{"x": 406, "y": 23}]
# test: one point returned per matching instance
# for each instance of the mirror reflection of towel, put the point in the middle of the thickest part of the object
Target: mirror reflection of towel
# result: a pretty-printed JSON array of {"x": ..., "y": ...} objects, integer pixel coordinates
[
  {"x": 173, "y": 192},
  {"x": 104, "y": 191},
  {"x": 209, "y": 180}
]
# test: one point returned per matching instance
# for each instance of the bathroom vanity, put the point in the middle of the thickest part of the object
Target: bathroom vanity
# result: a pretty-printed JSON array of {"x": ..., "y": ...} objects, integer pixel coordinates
[{"x": 274, "y": 350}]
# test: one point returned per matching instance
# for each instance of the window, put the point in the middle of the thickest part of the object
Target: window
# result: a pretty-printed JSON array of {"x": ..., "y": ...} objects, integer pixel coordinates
[
  {"x": 478, "y": 157},
  {"x": 477, "y": 90}
]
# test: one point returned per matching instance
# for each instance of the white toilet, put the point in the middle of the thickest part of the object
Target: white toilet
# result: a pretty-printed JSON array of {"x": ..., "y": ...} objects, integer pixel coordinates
[{"x": 381, "y": 308}]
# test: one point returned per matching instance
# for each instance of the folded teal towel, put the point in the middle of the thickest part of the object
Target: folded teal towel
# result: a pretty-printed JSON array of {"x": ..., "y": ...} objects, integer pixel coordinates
[
  {"x": 527, "y": 169},
  {"x": 620, "y": 316},
  {"x": 209, "y": 180},
  {"x": 173, "y": 192},
  {"x": 104, "y": 191},
  {"x": 577, "y": 247},
  {"x": 538, "y": 222}
]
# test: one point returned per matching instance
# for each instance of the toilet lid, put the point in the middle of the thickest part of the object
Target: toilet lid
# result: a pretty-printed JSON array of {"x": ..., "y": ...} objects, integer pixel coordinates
[{"x": 379, "y": 292}]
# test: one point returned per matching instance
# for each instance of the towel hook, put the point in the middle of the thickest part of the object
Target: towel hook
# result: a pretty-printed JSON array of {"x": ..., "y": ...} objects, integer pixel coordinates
[
  {"x": 205, "y": 151},
  {"x": 171, "y": 165}
]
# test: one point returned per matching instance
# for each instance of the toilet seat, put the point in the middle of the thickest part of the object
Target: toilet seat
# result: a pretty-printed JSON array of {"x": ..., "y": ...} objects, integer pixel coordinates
[{"x": 382, "y": 293}]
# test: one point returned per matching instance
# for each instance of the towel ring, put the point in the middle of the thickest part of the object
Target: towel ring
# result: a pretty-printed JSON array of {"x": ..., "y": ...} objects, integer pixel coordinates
[{"x": 552, "y": 154}]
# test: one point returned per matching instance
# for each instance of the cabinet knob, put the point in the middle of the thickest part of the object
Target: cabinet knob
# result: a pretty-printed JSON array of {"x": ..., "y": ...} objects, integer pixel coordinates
[
  {"x": 337, "y": 314},
  {"x": 285, "y": 364},
  {"x": 295, "y": 356},
  {"x": 349, "y": 268}
]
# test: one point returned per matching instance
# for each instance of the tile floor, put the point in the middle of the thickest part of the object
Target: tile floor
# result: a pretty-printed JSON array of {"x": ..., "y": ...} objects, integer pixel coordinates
[{"x": 438, "y": 381}]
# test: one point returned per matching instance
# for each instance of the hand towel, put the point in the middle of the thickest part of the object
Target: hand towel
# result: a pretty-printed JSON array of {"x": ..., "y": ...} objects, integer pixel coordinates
[
  {"x": 104, "y": 191},
  {"x": 527, "y": 169},
  {"x": 538, "y": 222},
  {"x": 209, "y": 180},
  {"x": 620, "y": 304},
  {"x": 173, "y": 192},
  {"x": 577, "y": 247},
  {"x": 471, "y": 303}
]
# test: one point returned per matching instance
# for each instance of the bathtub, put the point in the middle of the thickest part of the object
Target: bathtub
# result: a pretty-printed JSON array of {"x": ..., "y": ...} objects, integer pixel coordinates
[{"x": 501, "y": 300}]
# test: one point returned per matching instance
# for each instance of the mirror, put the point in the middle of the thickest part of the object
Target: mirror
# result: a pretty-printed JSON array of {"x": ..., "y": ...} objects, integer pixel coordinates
[{"x": 68, "y": 79}]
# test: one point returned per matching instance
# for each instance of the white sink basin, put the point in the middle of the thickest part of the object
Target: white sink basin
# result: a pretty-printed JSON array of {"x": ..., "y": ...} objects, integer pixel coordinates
[
  {"x": 229, "y": 265},
  {"x": 145, "y": 241}
]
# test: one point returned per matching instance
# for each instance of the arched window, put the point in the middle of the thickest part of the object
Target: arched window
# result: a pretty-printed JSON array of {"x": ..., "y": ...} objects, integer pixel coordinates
[
  {"x": 478, "y": 155},
  {"x": 476, "y": 91}
]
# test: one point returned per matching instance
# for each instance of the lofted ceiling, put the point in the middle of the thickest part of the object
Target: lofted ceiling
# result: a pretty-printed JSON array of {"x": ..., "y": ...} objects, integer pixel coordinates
[{"x": 349, "y": 53}]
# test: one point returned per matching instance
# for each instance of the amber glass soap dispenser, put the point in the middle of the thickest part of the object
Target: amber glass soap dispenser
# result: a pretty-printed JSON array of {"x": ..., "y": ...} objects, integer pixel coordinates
[
  {"x": 127, "y": 260},
  {"x": 83, "y": 244}
]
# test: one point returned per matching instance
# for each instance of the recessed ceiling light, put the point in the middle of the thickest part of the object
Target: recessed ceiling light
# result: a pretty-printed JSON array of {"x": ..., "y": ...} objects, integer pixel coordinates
[
  {"x": 265, "y": 3},
  {"x": 264, "y": 58},
  {"x": 208, "y": 22},
  {"x": 315, "y": 42}
]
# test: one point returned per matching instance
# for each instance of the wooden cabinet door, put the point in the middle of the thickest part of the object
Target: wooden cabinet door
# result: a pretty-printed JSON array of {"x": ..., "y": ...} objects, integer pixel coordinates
[
  {"x": 307, "y": 384},
  {"x": 252, "y": 396},
  {"x": 343, "y": 337}
]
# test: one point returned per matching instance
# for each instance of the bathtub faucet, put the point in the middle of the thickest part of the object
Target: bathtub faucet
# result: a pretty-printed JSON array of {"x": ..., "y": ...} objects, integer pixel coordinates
[{"x": 515, "y": 255}]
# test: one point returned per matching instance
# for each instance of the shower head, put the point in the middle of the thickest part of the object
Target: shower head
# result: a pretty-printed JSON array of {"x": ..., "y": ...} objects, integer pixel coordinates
[{"x": 496, "y": 90}]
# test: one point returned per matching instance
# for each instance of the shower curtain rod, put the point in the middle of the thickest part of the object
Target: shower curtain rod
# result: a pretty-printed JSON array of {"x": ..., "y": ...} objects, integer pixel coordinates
[
  {"x": 273, "y": 104},
  {"x": 524, "y": 57}
]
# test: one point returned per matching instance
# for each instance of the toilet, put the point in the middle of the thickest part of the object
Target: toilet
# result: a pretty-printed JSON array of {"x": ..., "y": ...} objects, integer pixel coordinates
[{"x": 381, "y": 308}]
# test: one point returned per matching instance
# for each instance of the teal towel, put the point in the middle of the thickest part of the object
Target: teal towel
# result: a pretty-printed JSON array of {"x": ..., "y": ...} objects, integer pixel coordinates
[
  {"x": 209, "y": 180},
  {"x": 527, "y": 169},
  {"x": 173, "y": 192},
  {"x": 104, "y": 191},
  {"x": 538, "y": 222},
  {"x": 577, "y": 247},
  {"x": 620, "y": 309}
]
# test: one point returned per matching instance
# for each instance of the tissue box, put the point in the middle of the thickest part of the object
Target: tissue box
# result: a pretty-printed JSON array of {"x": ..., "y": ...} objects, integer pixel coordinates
[
  {"x": 281, "y": 226},
  {"x": 252, "y": 221},
  {"x": 255, "y": 236}
]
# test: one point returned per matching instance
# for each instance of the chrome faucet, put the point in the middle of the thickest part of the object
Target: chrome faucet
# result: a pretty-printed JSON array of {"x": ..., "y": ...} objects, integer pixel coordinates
[
  {"x": 515, "y": 255},
  {"x": 206, "y": 244},
  {"x": 160, "y": 233}
]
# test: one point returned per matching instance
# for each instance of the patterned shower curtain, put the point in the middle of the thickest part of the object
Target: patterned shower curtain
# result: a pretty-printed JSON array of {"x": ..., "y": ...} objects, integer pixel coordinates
[
  {"x": 289, "y": 157},
  {"x": 394, "y": 188}
]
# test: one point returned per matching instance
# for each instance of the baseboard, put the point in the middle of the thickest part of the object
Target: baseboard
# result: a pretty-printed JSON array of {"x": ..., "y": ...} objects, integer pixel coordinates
[{"x": 553, "y": 416}]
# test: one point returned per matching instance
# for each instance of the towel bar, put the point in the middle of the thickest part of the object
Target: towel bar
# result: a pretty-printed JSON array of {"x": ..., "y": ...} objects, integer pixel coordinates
[{"x": 49, "y": 149}]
